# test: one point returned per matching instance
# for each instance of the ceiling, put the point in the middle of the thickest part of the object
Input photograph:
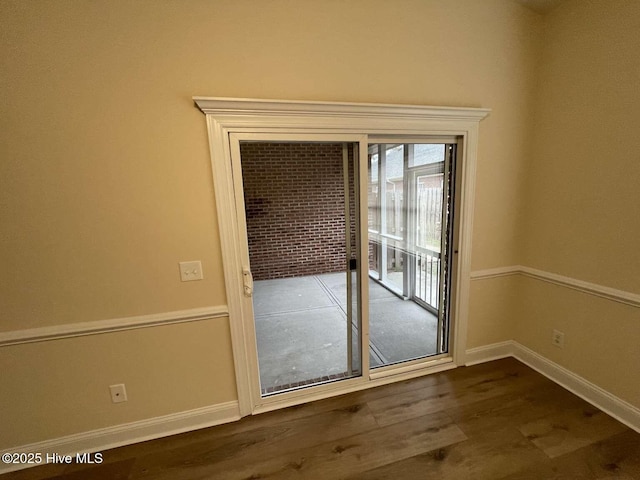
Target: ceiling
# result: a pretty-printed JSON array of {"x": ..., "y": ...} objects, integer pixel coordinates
[{"x": 540, "y": 6}]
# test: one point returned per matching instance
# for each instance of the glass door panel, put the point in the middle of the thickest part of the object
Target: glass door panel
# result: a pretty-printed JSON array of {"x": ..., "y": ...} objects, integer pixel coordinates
[
  {"x": 410, "y": 205},
  {"x": 301, "y": 205}
]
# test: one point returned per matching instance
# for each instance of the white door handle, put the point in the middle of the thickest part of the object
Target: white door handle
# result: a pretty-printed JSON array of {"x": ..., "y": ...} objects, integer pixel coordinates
[{"x": 247, "y": 279}]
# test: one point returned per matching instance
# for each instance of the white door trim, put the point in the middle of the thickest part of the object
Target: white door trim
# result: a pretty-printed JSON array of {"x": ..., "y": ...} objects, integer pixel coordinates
[{"x": 227, "y": 116}]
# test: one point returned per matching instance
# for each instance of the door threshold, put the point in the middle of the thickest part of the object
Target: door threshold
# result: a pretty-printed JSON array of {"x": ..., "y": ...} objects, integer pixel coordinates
[
  {"x": 333, "y": 389},
  {"x": 420, "y": 365},
  {"x": 267, "y": 392}
]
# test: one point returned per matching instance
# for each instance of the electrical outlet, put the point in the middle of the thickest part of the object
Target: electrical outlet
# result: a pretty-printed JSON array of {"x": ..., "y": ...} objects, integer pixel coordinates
[
  {"x": 118, "y": 393},
  {"x": 190, "y": 271},
  {"x": 558, "y": 339}
]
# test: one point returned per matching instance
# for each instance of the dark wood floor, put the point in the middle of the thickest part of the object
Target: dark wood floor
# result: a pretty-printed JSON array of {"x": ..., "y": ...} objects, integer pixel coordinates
[{"x": 498, "y": 420}]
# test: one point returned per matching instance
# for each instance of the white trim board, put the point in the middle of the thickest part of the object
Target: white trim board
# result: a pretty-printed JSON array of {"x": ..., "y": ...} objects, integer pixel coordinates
[
  {"x": 252, "y": 106},
  {"x": 129, "y": 433},
  {"x": 613, "y": 294},
  {"x": 488, "y": 353},
  {"x": 40, "y": 334},
  {"x": 605, "y": 401},
  {"x": 495, "y": 272}
]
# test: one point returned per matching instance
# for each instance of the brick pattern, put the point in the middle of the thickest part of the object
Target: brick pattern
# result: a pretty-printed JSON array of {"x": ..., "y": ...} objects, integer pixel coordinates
[{"x": 294, "y": 203}]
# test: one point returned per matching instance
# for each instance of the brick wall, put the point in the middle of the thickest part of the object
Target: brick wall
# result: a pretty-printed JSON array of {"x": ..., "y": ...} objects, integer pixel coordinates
[{"x": 294, "y": 203}]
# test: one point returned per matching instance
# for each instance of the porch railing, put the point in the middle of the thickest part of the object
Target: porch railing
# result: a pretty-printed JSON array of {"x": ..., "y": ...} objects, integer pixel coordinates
[{"x": 427, "y": 281}]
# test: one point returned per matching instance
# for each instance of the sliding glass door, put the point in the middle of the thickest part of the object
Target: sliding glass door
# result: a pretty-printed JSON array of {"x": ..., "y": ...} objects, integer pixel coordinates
[
  {"x": 302, "y": 218},
  {"x": 301, "y": 209},
  {"x": 410, "y": 210}
]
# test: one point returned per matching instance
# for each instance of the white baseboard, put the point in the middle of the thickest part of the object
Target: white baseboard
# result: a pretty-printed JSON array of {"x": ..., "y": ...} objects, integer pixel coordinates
[
  {"x": 600, "y": 398},
  {"x": 126, "y": 434},
  {"x": 487, "y": 353}
]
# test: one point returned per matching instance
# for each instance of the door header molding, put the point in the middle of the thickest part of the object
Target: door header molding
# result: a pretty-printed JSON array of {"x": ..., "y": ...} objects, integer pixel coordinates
[{"x": 248, "y": 106}]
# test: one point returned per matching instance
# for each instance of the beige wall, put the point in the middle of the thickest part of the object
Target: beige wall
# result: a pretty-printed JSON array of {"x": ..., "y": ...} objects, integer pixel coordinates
[
  {"x": 106, "y": 182},
  {"x": 583, "y": 193},
  {"x": 583, "y": 180},
  {"x": 61, "y": 387}
]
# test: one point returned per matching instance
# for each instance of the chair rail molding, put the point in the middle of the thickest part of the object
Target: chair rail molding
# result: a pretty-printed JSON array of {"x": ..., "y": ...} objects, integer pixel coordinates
[
  {"x": 613, "y": 294},
  {"x": 96, "y": 327}
]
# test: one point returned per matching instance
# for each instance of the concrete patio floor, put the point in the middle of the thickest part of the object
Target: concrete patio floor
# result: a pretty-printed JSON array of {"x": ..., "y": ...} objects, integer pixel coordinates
[{"x": 301, "y": 329}]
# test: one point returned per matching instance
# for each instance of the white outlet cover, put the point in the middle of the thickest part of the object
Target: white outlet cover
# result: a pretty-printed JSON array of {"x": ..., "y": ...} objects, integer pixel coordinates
[
  {"x": 118, "y": 393},
  {"x": 190, "y": 271}
]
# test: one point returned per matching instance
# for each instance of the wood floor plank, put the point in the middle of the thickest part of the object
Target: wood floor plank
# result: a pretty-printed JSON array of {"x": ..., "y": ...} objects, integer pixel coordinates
[
  {"x": 570, "y": 430},
  {"x": 454, "y": 394},
  {"x": 615, "y": 457},
  {"x": 546, "y": 471},
  {"x": 109, "y": 471},
  {"x": 481, "y": 458},
  {"x": 491, "y": 416},
  {"x": 42, "y": 472}
]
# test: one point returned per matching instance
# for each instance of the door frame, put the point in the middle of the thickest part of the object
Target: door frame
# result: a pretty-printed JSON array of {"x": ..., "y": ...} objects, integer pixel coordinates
[{"x": 226, "y": 116}]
